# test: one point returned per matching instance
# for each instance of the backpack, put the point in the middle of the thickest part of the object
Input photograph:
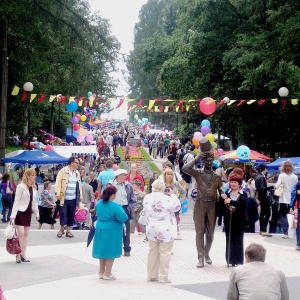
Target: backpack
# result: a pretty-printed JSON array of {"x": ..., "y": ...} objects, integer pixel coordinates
[
  {"x": 115, "y": 138},
  {"x": 181, "y": 156}
]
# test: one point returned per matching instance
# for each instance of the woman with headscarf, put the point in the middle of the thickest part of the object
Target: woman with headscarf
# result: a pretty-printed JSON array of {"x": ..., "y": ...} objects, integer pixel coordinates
[
  {"x": 234, "y": 220},
  {"x": 25, "y": 203},
  {"x": 159, "y": 208}
]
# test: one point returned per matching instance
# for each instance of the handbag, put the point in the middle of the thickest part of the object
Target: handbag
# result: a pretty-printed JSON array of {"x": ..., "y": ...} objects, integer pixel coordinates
[
  {"x": 184, "y": 206},
  {"x": 10, "y": 230},
  {"x": 279, "y": 191},
  {"x": 13, "y": 246},
  {"x": 8, "y": 190},
  {"x": 142, "y": 219}
]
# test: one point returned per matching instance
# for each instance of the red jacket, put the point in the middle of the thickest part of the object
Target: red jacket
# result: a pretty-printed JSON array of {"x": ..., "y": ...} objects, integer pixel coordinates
[{"x": 137, "y": 177}]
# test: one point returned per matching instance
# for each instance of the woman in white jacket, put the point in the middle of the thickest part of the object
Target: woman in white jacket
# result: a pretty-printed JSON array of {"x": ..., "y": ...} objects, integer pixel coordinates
[
  {"x": 24, "y": 205},
  {"x": 288, "y": 180},
  {"x": 159, "y": 208}
]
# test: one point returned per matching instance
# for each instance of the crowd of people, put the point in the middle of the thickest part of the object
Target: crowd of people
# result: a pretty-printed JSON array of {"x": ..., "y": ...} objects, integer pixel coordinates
[{"x": 246, "y": 202}]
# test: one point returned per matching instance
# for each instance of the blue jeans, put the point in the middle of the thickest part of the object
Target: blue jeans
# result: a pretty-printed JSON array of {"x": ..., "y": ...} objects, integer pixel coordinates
[
  {"x": 283, "y": 211},
  {"x": 7, "y": 204},
  {"x": 126, "y": 233}
]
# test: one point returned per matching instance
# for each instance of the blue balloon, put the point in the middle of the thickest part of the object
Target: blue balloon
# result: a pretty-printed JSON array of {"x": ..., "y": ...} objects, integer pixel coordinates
[
  {"x": 243, "y": 152},
  {"x": 75, "y": 134},
  {"x": 72, "y": 106},
  {"x": 205, "y": 123},
  {"x": 89, "y": 94}
]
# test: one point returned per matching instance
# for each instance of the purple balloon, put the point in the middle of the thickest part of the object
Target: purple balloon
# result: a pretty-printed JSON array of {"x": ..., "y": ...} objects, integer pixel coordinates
[
  {"x": 205, "y": 130},
  {"x": 74, "y": 120}
]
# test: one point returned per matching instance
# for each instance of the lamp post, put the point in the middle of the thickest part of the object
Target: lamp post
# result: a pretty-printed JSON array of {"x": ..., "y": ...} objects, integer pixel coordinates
[
  {"x": 283, "y": 92},
  {"x": 28, "y": 87}
]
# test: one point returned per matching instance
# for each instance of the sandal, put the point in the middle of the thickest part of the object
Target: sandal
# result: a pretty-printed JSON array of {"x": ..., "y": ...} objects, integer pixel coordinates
[
  {"x": 69, "y": 234},
  {"x": 60, "y": 234},
  {"x": 110, "y": 277}
]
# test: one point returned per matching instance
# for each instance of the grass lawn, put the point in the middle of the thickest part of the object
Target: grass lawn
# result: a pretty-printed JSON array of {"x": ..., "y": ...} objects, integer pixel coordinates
[{"x": 11, "y": 148}]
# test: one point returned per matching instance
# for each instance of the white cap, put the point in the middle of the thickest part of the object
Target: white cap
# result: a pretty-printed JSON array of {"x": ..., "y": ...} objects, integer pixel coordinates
[{"x": 120, "y": 171}]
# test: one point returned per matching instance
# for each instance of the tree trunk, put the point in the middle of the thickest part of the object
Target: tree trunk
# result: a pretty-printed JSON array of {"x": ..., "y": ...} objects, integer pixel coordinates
[{"x": 4, "y": 86}]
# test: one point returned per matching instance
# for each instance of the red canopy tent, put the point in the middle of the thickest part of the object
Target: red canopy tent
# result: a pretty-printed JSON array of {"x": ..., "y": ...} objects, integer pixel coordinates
[{"x": 254, "y": 156}]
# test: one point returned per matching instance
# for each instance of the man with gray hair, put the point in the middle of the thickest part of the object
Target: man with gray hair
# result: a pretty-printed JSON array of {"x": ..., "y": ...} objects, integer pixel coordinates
[{"x": 256, "y": 279}]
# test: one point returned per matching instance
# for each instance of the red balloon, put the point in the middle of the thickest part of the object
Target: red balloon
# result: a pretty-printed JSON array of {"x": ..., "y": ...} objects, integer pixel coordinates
[
  {"x": 207, "y": 108},
  {"x": 76, "y": 127}
]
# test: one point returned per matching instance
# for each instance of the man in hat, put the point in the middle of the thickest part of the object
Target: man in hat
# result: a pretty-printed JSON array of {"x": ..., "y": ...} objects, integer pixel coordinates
[
  {"x": 126, "y": 198},
  {"x": 208, "y": 184}
]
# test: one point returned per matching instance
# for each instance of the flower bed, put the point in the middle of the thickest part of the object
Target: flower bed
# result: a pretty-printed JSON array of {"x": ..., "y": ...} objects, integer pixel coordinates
[{"x": 135, "y": 153}]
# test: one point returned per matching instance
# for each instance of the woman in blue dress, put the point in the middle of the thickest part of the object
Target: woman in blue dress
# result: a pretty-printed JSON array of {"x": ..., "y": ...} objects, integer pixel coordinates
[{"x": 109, "y": 232}]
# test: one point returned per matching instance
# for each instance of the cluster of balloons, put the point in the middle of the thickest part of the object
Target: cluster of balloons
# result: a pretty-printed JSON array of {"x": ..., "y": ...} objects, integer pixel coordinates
[
  {"x": 38, "y": 146},
  {"x": 79, "y": 132},
  {"x": 243, "y": 152},
  {"x": 204, "y": 131}
]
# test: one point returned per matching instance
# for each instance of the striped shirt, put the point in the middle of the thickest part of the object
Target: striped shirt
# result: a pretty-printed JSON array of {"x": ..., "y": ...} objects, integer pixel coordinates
[{"x": 71, "y": 187}]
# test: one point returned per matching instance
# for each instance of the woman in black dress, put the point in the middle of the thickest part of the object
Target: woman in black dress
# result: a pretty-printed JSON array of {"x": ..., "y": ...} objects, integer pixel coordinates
[
  {"x": 25, "y": 204},
  {"x": 235, "y": 205},
  {"x": 46, "y": 206}
]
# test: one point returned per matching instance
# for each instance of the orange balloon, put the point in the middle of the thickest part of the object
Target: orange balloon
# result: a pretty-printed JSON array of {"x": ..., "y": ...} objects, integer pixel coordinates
[{"x": 195, "y": 142}]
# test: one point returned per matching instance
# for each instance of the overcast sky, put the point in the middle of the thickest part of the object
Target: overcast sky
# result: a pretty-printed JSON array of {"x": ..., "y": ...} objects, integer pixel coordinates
[{"x": 123, "y": 15}]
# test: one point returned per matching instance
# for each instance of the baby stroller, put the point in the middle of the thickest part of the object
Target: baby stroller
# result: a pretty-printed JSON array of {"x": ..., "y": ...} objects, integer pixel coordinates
[{"x": 81, "y": 216}]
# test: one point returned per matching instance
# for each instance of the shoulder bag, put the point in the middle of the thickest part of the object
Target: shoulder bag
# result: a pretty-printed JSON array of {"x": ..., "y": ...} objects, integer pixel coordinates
[
  {"x": 142, "y": 219},
  {"x": 8, "y": 190},
  {"x": 13, "y": 244},
  {"x": 279, "y": 191}
]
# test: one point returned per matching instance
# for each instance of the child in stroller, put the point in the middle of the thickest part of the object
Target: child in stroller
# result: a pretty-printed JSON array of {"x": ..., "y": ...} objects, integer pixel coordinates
[{"x": 81, "y": 216}]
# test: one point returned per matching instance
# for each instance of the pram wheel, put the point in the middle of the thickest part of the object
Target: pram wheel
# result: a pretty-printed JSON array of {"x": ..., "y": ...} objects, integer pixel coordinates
[{"x": 85, "y": 228}]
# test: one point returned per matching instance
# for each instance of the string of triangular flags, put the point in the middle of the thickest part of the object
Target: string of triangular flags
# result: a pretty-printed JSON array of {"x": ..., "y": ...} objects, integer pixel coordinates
[{"x": 153, "y": 105}]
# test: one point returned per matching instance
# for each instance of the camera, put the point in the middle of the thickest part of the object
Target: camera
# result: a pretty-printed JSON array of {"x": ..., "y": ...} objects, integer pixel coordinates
[{"x": 167, "y": 190}]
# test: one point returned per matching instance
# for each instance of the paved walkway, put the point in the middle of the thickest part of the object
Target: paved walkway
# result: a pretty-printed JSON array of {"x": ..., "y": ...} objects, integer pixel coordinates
[{"x": 64, "y": 268}]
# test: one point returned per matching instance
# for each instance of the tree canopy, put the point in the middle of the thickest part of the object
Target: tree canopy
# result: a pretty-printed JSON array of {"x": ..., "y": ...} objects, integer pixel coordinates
[
  {"x": 62, "y": 48},
  {"x": 241, "y": 49}
]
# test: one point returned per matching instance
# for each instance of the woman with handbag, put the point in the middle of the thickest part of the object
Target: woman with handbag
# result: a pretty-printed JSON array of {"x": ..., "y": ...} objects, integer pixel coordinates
[
  {"x": 24, "y": 205},
  {"x": 7, "y": 203},
  {"x": 287, "y": 180}
]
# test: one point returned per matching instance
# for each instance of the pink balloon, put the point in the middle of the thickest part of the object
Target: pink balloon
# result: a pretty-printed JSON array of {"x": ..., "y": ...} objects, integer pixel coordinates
[
  {"x": 198, "y": 135},
  {"x": 48, "y": 148},
  {"x": 94, "y": 95},
  {"x": 205, "y": 130},
  {"x": 220, "y": 152},
  {"x": 80, "y": 138},
  {"x": 207, "y": 108},
  {"x": 78, "y": 116},
  {"x": 89, "y": 138}
]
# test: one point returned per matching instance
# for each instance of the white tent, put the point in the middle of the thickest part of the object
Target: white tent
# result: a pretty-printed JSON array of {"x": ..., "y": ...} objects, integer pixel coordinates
[{"x": 68, "y": 151}]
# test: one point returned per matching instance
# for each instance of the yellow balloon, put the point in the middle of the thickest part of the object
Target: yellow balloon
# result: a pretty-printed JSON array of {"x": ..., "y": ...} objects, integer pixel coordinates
[
  {"x": 81, "y": 131},
  {"x": 210, "y": 137},
  {"x": 83, "y": 118}
]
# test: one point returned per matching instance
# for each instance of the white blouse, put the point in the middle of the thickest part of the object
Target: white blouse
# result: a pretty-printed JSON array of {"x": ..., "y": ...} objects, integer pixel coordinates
[{"x": 159, "y": 210}]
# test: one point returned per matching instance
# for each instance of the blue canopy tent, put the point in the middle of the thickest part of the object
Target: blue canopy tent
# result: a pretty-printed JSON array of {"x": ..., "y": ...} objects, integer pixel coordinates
[
  {"x": 37, "y": 157},
  {"x": 275, "y": 165}
]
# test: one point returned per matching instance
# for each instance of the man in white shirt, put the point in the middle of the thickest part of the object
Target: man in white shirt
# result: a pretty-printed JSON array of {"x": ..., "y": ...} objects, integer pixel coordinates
[{"x": 256, "y": 279}]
